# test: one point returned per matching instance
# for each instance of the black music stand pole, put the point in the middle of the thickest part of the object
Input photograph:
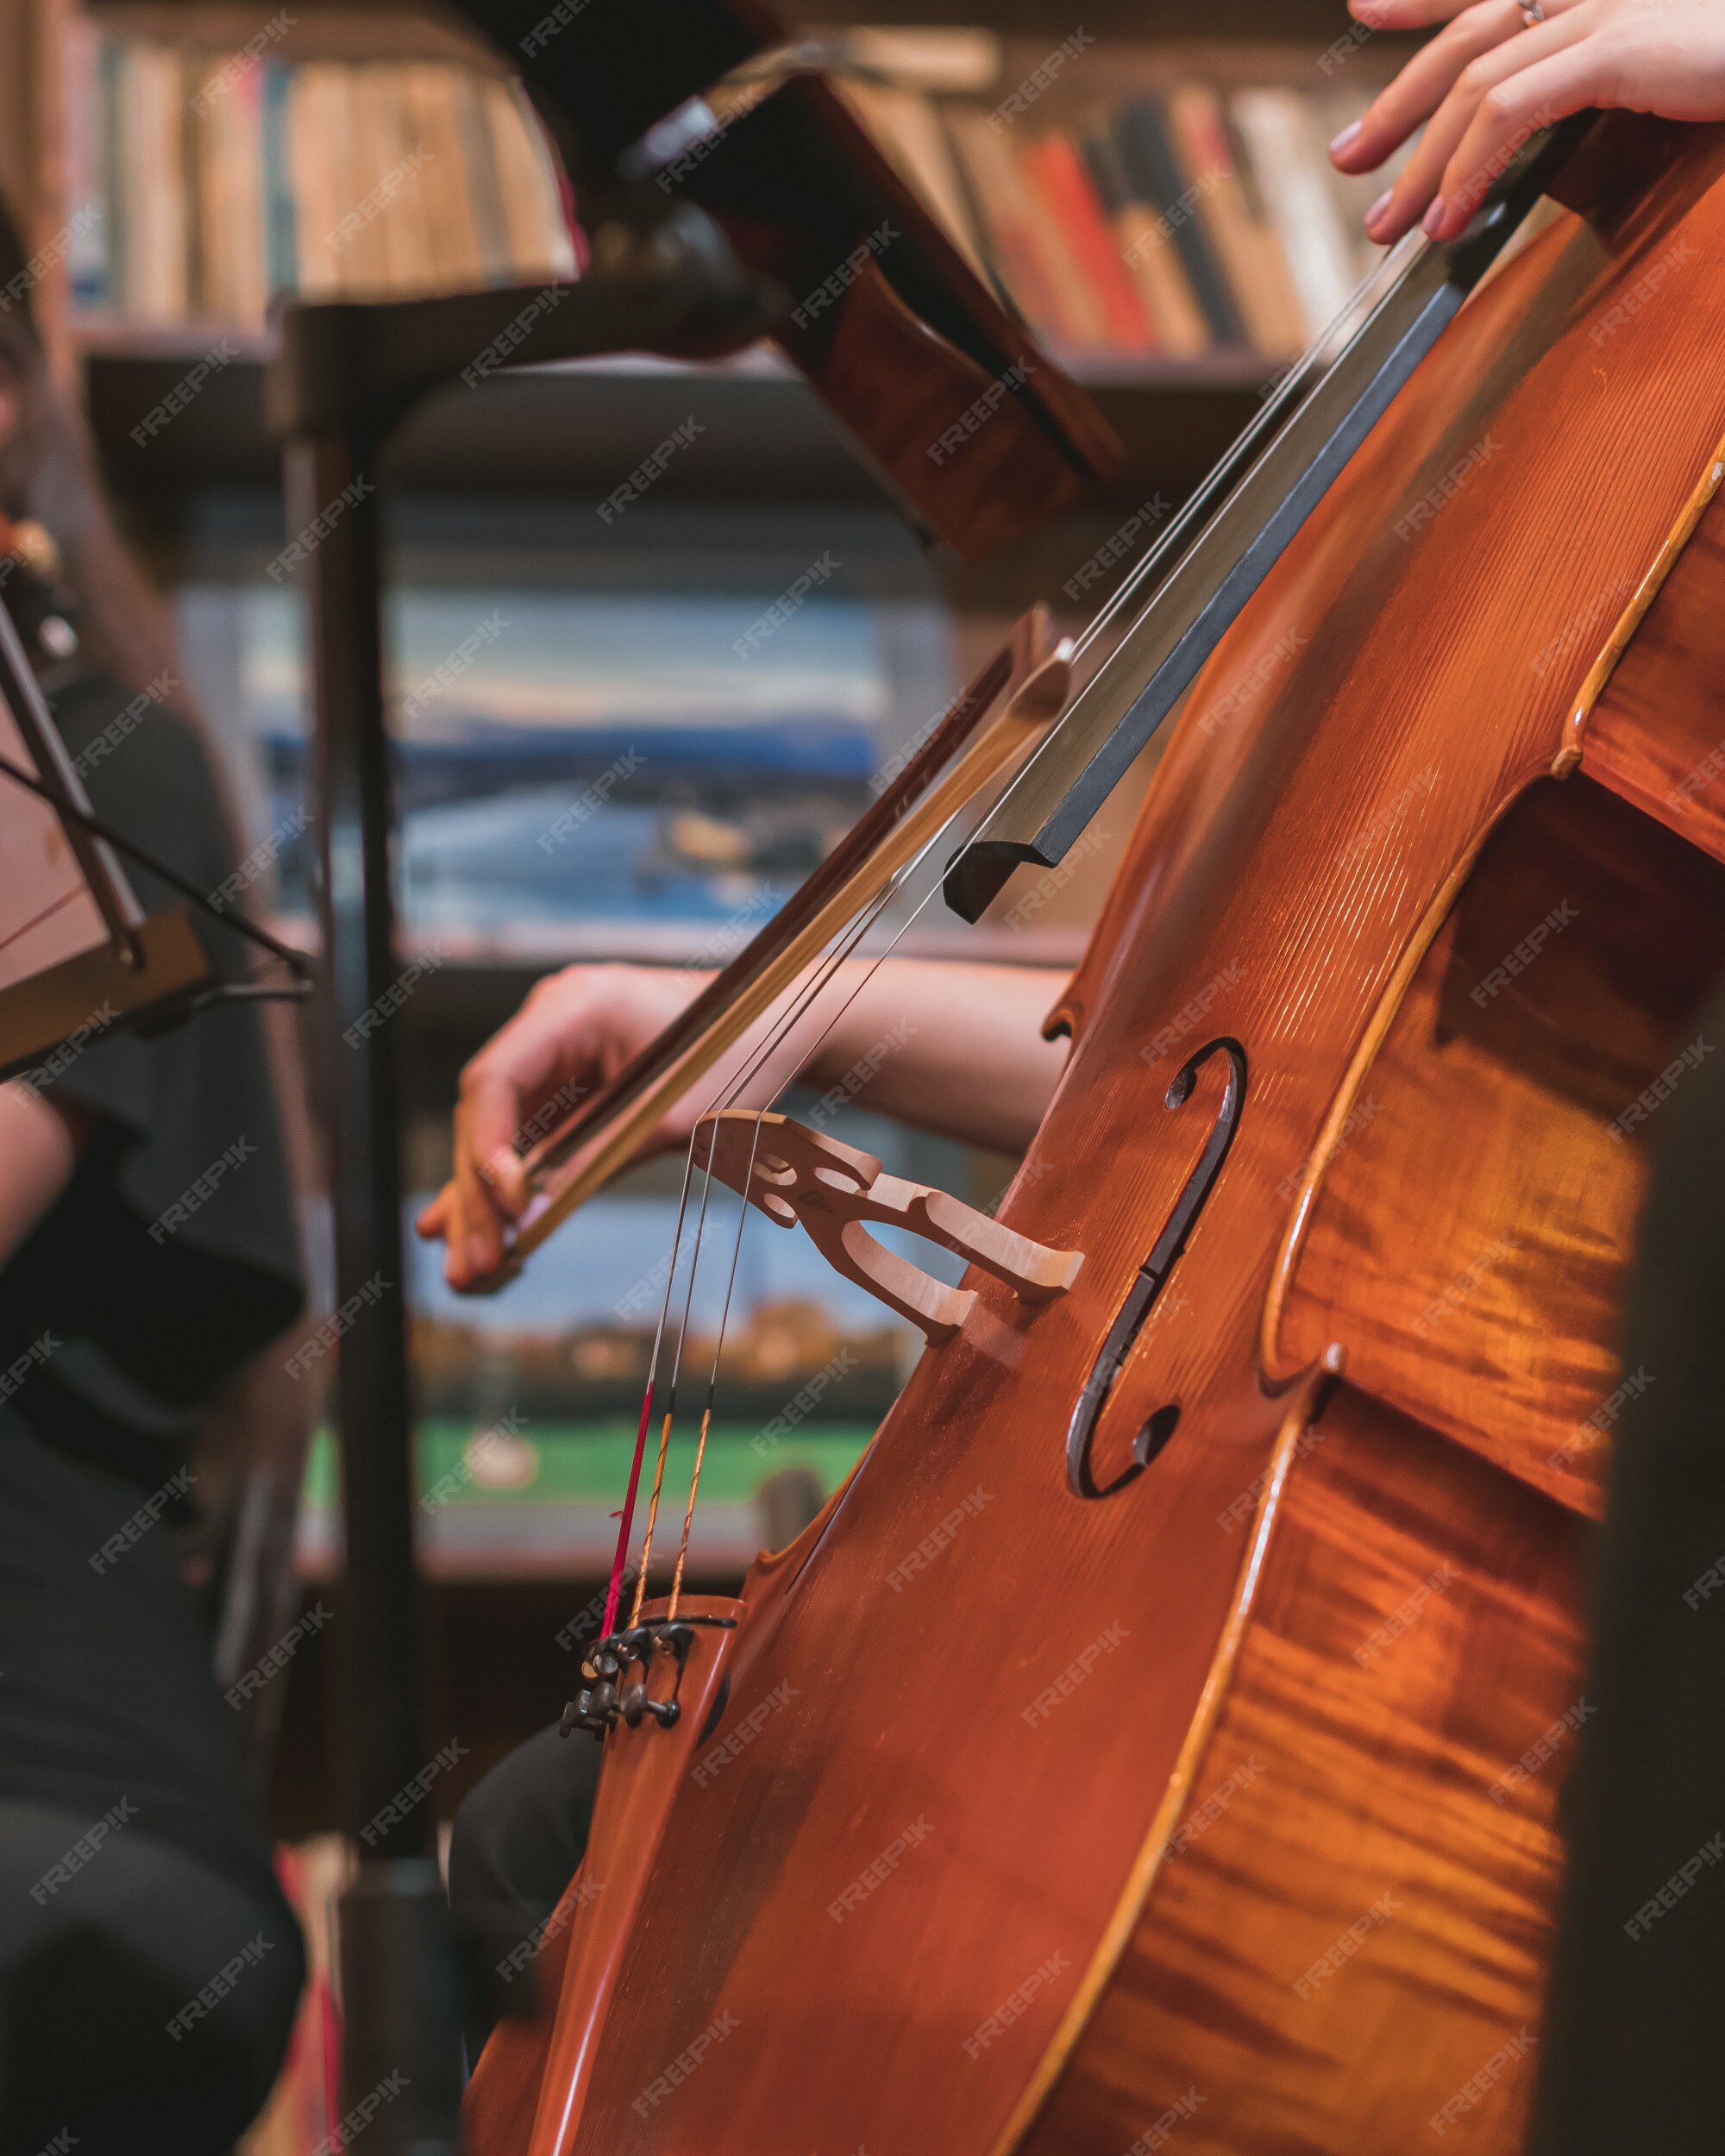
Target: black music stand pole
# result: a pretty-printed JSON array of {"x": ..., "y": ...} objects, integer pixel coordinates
[{"x": 345, "y": 375}]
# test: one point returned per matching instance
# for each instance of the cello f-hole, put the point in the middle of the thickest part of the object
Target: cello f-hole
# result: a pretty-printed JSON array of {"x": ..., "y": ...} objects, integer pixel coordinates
[{"x": 1147, "y": 1283}]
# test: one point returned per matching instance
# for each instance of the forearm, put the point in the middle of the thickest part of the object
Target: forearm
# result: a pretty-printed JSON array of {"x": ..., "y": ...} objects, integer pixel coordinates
[{"x": 951, "y": 1048}]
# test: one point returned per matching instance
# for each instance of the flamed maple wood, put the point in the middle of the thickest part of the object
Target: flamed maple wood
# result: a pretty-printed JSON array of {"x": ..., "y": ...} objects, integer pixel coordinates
[
  {"x": 1057, "y": 1816},
  {"x": 1468, "y": 1236}
]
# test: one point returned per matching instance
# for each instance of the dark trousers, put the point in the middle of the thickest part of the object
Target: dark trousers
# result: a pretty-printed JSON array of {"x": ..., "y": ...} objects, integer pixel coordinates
[
  {"x": 96, "y": 1974},
  {"x": 518, "y": 1838}
]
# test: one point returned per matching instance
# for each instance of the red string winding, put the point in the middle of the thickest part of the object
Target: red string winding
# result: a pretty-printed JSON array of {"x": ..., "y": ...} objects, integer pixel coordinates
[{"x": 614, "y": 1593}]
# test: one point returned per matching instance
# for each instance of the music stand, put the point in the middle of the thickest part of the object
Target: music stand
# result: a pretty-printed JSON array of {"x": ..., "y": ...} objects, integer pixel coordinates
[{"x": 78, "y": 953}]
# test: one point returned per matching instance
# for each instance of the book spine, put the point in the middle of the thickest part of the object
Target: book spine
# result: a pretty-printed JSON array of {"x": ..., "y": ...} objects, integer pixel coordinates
[
  {"x": 1156, "y": 271},
  {"x": 1086, "y": 325},
  {"x": 443, "y": 208},
  {"x": 242, "y": 136},
  {"x": 1255, "y": 270},
  {"x": 1072, "y": 196},
  {"x": 485, "y": 185},
  {"x": 1161, "y": 188},
  {"x": 988, "y": 249},
  {"x": 1280, "y": 142},
  {"x": 201, "y": 271},
  {"x": 315, "y": 161},
  {"x": 536, "y": 188},
  {"x": 113, "y": 110},
  {"x": 280, "y": 264},
  {"x": 995, "y": 183},
  {"x": 88, "y": 215},
  {"x": 1272, "y": 273}
]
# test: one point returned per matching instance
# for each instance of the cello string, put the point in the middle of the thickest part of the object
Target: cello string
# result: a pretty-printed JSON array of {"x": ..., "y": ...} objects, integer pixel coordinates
[
  {"x": 639, "y": 1456},
  {"x": 742, "y": 1213},
  {"x": 1347, "y": 322},
  {"x": 844, "y": 944},
  {"x": 620, "y": 1560},
  {"x": 1372, "y": 292},
  {"x": 713, "y": 1376},
  {"x": 671, "y": 1396},
  {"x": 846, "y": 938}
]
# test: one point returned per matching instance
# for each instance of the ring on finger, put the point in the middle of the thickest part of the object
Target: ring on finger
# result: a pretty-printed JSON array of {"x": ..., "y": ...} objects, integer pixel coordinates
[{"x": 1533, "y": 12}]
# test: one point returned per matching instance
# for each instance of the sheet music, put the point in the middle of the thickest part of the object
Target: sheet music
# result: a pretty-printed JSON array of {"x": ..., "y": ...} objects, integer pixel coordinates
[{"x": 47, "y": 912}]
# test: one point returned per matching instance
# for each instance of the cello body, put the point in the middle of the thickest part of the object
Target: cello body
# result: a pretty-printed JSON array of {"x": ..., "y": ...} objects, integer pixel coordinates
[{"x": 1205, "y": 1793}]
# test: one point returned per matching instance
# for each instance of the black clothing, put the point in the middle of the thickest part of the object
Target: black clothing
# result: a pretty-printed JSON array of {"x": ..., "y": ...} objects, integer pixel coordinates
[
  {"x": 519, "y": 1839},
  {"x": 134, "y": 1858},
  {"x": 156, "y": 1306},
  {"x": 108, "y": 1692},
  {"x": 1630, "y": 2056},
  {"x": 111, "y": 1339},
  {"x": 94, "y": 1972}
]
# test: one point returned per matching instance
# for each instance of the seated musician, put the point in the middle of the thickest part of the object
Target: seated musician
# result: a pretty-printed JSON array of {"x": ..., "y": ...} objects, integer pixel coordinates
[
  {"x": 135, "y": 1866},
  {"x": 973, "y": 1065}
]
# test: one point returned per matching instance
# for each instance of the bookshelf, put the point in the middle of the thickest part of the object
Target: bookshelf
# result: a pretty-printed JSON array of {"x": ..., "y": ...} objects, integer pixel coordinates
[{"x": 1176, "y": 410}]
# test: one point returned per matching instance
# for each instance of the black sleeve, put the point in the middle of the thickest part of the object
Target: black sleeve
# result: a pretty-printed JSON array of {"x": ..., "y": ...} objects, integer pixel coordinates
[{"x": 174, "y": 1251}]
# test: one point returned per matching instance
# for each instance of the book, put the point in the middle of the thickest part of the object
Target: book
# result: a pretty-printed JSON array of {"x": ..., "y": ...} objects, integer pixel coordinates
[
  {"x": 88, "y": 269},
  {"x": 478, "y": 158},
  {"x": 941, "y": 62},
  {"x": 317, "y": 161},
  {"x": 1159, "y": 185},
  {"x": 988, "y": 247},
  {"x": 1233, "y": 212},
  {"x": 233, "y": 253},
  {"x": 1059, "y": 167},
  {"x": 997, "y": 185},
  {"x": 435, "y": 187},
  {"x": 1083, "y": 317},
  {"x": 540, "y": 242},
  {"x": 207, "y": 185},
  {"x": 110, "y": 90},
  {"x": 1154, "y": 266},
  {"x": 280, "y": 243},
  {"x": 1293, "y": 176},
  {"x": 151, "y": 181}
]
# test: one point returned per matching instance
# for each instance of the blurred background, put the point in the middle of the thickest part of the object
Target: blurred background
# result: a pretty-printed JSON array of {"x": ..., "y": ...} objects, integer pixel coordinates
[{"x": 1146, "y": 184}]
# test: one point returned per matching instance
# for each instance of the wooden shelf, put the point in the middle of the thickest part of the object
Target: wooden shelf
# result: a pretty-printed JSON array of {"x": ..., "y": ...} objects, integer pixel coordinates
[{"x": 574, "y": 430}]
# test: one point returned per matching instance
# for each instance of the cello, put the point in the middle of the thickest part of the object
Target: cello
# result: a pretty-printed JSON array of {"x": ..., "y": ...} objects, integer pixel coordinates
[{"x": 1159, "y": 1735}]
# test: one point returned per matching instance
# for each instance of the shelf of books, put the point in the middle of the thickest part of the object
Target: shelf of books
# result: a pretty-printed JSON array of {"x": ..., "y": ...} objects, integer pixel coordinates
[
  {"x": 1133, "y": 203},
  {"x": 1163, "y": 218}
]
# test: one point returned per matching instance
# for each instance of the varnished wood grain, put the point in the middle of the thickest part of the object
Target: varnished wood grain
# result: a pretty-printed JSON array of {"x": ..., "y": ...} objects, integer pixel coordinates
[
  {"x": 1468, "y": 1242},
  {"x": 533, "y": 2072},
  {"x": 1347, "y": 1921},
  {"x": 1657, "y": 735}
]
